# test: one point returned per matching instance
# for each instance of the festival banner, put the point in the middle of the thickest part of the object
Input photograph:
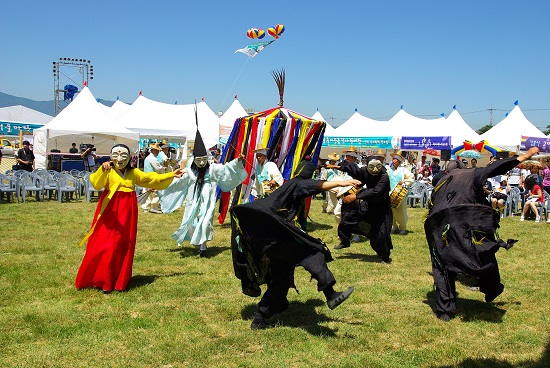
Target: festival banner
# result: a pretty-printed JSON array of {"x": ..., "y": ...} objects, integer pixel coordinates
[
  {"x": 420, "y": 143},
  {"x": 9, "y": 128},
  {"x": 542, "y": 143},
  {"x": 373, "y": 142}
]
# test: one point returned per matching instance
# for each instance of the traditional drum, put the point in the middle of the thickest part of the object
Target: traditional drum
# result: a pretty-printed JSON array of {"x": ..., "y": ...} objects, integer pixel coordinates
[
  {"x": 268, "y": 189},
  {"x": 397, "y": 195},
  {"x": 344, "y": 191}
]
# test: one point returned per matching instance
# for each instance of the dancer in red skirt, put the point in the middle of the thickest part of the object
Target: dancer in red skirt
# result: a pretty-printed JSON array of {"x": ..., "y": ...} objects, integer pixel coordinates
[{"x": 107, "y": 263}]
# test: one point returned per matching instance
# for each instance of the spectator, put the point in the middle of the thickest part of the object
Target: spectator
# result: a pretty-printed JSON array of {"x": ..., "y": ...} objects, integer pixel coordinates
[
  {"x": 434, "y": 167},
  {"x": 500, "y": 195},
  {"x": 73, "y": 148},
  {"x": 25, "y": 157},
  {"x": 89, "y": 157},
  {"x": 426, "y": 176},
  {"x": 546, "y": 176},
  {"x": 473, "y": 163},
  {"x": 217, "y": 155},
  {"x": 535, "y": 198}
]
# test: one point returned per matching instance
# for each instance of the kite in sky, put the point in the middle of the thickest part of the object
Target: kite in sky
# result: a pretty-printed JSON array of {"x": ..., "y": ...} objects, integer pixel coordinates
[{"x": 255, "y": 48}]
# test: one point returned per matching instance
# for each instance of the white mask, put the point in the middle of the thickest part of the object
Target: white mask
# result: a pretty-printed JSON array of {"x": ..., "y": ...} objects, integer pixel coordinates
[
  {"x": 120, "y": 157},
  {"x": 200, "y": 161}
]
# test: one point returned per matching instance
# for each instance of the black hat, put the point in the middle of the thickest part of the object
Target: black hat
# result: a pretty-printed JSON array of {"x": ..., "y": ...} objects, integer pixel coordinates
[{"x": 199, "y": 150}]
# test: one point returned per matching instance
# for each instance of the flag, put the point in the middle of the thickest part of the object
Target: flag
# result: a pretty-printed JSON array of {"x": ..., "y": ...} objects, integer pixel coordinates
[{"x": 235, "y": 97}]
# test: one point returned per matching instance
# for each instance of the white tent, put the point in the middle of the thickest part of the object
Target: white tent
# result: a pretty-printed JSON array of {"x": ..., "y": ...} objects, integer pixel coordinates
[
  {"x": 459, "y": 130},
  {"x": 227, "y": 120},
  {"x": 329, "y": 129},
  {"x": 22, "y": 114},
  {"x": 404, "y": 124},
  {"x": 507, "y": 133},
  {"x": 157, "y": 120},
  {"x": 82, "y": 121},
  {"x": 361, "y": 126},
  {"x": 118, "y": 108},
  {"x": 234, "y": 112}
]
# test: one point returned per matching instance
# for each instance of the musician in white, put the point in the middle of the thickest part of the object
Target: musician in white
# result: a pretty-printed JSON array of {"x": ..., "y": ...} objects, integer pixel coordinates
[
  {"x": 268, "y": 177},
  {"x": 399, "y": 177}
]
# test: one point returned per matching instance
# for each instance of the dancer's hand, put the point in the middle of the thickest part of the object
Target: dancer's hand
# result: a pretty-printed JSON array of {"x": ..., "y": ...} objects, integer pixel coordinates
[
  {"x": 178, "y": 173},
  {"x": 107, "y": 165}
]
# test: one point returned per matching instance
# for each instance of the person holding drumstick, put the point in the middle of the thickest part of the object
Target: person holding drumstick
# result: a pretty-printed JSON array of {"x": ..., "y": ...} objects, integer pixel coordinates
[
  {"x": 370, "y": 206},
  {"x": 400, "y": 180}
]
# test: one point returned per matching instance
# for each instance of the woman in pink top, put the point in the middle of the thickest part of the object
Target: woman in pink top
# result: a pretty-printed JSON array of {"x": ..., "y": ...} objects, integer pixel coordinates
[
  {"x": 546, "y": 176},
  {"x": 535, "y": 199}
]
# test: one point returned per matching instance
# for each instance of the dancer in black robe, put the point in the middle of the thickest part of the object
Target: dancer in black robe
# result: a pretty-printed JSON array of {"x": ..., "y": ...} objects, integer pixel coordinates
[
  {"x": 370, "y": 205},
  {"x": 461, "y": 231},
  {"x": 267, "y": 244}
]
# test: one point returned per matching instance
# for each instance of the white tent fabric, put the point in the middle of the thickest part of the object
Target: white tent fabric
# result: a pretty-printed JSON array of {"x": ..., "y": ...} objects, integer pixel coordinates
[
  {"x": 82, "y": 121},
  {"x": 507, "y": 133},
  {"x": 118, "y": 109},
  {"x": 234, "y": 112},
  {"x": 152, "y": 119},
  {"x": 22, "y": 114},
  {"x": 361, "y": 126},
  {"x": 459, "y": 130},
  {"x": 329, "y": 129},
  {"x": 404, "y": 124}
]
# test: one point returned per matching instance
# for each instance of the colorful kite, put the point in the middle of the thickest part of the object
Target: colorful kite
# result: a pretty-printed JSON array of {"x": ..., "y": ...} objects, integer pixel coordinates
[{"x": 253, "y": 33}]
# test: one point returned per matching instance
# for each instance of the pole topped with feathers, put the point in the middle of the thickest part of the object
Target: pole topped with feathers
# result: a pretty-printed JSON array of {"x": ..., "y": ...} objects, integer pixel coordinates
[{"x": 279, "y": 76}]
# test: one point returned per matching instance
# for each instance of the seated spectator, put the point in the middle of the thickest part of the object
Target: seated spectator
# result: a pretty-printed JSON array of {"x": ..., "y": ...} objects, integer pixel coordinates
[
  {"x": 500, "y": 195},
  {"x": 535, "y": 198},
  {"x": 435, "y": 166},
  {"x": 425, "y": 176},
  {"x": 546, "y": 176}
]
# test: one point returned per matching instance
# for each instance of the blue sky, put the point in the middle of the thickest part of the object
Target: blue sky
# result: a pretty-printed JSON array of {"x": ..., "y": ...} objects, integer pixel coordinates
[{"x": 371, "y": 55}]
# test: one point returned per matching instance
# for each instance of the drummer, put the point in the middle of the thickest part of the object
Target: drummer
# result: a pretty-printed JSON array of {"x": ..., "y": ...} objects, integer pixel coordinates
[
  {"x": 370, "y": 205},
  {"x": 267, "y": 174},
  {"x": 399, "y": 177}
]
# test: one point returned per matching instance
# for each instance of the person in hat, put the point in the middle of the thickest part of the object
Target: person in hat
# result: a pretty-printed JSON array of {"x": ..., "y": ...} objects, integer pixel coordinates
[
  {"x": 267, "y": 174},
  {"x": 107, "y": 263},
  {"x": 461, "y": 231},
  {"x": 370, "y": 206},
  {"x": 197, "y": 189},
  {"x": 267, "y": 245},
  {"x": 151, "y": 164},
  {"x": 25, "y": 157},
  {"x": 331, "y": 201},
  {"x": 399, "y": 177},
  {"x": 350, "y": 155}
]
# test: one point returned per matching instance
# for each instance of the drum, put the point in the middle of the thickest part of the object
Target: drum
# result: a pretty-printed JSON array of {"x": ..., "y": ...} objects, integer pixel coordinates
[
  {"x": 267, "y": 189},
  {"x": 344, "y": 191},
  {"x": 397, "y": 195}
]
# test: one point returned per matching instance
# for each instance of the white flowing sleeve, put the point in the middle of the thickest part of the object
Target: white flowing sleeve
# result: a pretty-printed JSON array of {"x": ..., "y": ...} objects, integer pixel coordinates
[
  {"x": 173, "y": 197},
  {"x": 230, "y": 175}
]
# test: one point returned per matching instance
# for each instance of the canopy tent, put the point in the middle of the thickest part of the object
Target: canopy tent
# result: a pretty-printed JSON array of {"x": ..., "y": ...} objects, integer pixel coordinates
[
  {"x": 14, "y": 119},
  {"x": 227, "y": 120},
  {"x": 459, "y": 130},
  {"x": 359, "y": 131},
  {"x": 290, "y": 136},
  {"x": 405, "y": 124},
  {"x": 83, "y": 121},
  {"x": 507, "y": 133},
  {"x": 152, "y": 119}
]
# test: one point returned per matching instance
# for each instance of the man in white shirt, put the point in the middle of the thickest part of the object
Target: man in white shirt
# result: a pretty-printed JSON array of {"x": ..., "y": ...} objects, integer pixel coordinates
[{"x": 151, "y": 164}]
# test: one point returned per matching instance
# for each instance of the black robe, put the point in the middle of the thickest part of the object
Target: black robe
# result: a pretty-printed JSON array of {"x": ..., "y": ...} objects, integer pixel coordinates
[
  {"x": 372, "y": 206},
  {"x": 263, "y": 226}
]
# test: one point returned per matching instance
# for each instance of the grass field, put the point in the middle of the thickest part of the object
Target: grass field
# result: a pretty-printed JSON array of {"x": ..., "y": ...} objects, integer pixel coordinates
[{"x": 185, "y": 311}]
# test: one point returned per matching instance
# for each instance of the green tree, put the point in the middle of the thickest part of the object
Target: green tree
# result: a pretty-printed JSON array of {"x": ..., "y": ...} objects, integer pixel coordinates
[
  {"x": 484, "y": 128},
  {"x": 547, "y": 131}
]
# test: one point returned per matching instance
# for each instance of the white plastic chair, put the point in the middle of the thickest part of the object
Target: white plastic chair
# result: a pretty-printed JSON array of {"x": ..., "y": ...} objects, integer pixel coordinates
[
  {"x": 88, "y": 187},
  {"x": 30, "y": 182},
  {"x": 417, "y": 191},
  {"x": 66, "y": 183},
  {"x": 8, "y": 184}
]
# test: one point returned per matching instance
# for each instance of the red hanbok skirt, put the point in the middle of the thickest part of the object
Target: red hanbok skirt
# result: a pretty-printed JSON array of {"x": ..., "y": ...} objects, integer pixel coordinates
[{"x": 109, "y": 256}]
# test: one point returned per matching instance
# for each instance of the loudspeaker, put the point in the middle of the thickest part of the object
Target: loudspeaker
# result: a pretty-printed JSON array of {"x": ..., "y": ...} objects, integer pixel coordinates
[
  {"x": 445, "y": 155},
  {"x": 501, "y": 155}
]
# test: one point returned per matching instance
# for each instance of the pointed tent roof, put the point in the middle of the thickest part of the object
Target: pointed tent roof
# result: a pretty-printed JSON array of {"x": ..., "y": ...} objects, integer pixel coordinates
[
  {"x": 507, "y": 133},
  {"x": 459, "y": 130},
  {"x": 22, "y": 114},
  {"x": 405, "y": 124},
  {"x": 361, "y": 126},
  {"x": 234, "y": 112},
  {"x": 160, "y": 120},
  {"x": 83, "y": 121}
]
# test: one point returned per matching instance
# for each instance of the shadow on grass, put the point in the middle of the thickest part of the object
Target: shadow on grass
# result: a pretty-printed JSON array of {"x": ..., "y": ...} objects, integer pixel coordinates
[
  {"x": 138, "y": 281},
  {"x": 544, "y": 362},
  {"x": 312, "y": 226},
  {"x": 360, "y": 256},
  {"x": 469, "y": 310},
  {"x": 298, "y": 315},
  {"x": 192, "y": 251}
]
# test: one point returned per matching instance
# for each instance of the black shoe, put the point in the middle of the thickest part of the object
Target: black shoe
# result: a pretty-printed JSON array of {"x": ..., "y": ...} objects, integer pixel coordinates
[
  {"x": 489, "y": 297},
  {"x": 342, "y": 245},
  {"x": 386, "y": 260},
  {"x": 202, "y": 253},
  {"x": 259, "y": 323},
  {"x": 444, "y": 317},
  {"x": 339, "y": 298}
]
